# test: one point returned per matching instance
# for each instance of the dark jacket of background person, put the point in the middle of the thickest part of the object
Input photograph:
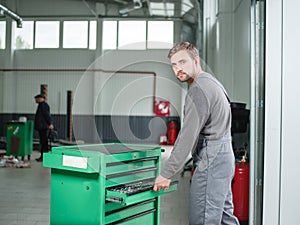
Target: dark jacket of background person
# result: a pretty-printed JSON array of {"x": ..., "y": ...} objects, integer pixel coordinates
[{"x": 42, "y": 119}]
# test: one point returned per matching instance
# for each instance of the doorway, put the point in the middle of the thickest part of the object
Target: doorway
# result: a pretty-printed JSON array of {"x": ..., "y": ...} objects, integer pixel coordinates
[{"x": 233, "y": 51}]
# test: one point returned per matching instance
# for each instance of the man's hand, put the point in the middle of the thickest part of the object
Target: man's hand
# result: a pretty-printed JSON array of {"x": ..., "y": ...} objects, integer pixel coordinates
[{"x": 161, "y": 183}]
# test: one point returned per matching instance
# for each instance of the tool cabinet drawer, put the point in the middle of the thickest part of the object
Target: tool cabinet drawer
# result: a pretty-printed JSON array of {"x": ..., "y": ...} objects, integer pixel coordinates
[
  {"x": 147, "y": 217},
  {"x": 118, "y": 214},
  {"x": 130, "y": 165},
  {"x": 134, "y": 170},
  {"x": 132, "y": 193}
]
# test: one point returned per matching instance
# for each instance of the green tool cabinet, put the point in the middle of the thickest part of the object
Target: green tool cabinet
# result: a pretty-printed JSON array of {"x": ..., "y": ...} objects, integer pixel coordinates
[
  {"x": 104, "y": 184},
  {"x": 19, "y": 137}
]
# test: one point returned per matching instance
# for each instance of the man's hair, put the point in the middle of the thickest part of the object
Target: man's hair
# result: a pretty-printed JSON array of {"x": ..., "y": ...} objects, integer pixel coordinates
[
  {"x": 190, "y": 48},
  {"x": 39, "y": 96}
]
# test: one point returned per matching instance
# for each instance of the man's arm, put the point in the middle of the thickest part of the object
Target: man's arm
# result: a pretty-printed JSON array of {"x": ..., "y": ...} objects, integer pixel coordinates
[
  {"x": 195, "y": 116},
  {"x": 47, "y": 116}
]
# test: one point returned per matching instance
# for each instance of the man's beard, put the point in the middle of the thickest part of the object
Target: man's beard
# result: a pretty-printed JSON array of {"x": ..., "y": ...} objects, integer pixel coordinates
[{"x": 187, "y": 79}]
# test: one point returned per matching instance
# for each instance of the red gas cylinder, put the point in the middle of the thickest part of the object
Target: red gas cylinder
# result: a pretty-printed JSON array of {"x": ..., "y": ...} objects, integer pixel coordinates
[
  {"x": 172, "y": 132},
  {"x": 240, "y": 191}
]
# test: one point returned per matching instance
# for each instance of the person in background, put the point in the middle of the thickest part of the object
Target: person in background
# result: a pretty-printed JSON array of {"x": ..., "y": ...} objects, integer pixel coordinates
[
  {"x": 206, "y": 134},
  {"x": 42, "y": 123}
]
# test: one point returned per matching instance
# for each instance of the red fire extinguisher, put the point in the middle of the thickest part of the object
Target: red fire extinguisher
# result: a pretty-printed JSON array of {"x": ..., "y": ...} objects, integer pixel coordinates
[
  {"x": 240, "y": 190},
  {"x": 172, "y": 132}
]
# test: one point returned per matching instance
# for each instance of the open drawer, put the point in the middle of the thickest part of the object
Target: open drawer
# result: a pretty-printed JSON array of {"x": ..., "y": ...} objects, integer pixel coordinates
[{"x": 128, "y": 194}]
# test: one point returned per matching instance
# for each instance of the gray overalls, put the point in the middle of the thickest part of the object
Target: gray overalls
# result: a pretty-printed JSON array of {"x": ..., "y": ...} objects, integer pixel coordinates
[
  {"x": 210, "y": 195},
  {"x": 207, "y": 117},
  {"x": 211, "y": 183}
]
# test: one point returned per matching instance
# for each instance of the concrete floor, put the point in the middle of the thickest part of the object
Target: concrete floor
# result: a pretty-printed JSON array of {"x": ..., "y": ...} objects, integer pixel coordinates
[{"x": 25, "y": 194}]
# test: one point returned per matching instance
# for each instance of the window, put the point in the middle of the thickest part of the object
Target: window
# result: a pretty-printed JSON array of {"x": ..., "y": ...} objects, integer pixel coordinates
[
  {"x": 93, "y": 35},
  {"x": 160, "y": 34},
  {"x": 109, "y": 40},
  {"x": 132, "y": 35},
  {"x": 2, "y": 34},
  {"x": 75, "y": 34},
  {"x": 186, "y": 5},
  {"x": 47, "y": 34},
  {"x": 162, "y": 8},
  {"x": 23, "y": 37}
]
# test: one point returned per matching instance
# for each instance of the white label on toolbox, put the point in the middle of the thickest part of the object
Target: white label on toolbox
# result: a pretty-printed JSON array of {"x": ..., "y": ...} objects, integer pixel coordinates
[{"x": 74, "y": 161}]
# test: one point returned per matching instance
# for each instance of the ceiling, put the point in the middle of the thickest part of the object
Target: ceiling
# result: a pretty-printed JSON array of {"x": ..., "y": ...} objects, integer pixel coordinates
[{"x": 144, "y": 8}]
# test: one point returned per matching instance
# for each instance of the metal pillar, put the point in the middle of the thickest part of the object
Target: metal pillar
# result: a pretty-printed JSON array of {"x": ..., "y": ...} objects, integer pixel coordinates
[{"x": 257, "y": 112}]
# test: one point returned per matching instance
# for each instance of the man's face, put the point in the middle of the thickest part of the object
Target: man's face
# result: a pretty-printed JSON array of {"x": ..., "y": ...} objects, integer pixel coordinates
[
  {"x": 183, "y": 66},
  {"x": 38, "y": 100}
]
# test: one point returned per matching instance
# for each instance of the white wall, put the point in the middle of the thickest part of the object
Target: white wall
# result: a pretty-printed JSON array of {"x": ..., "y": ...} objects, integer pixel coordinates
[
  {"x": 228, "y": 45},
  {"x": 224, "y": 45},
  {"x": 241, "y": 52},
  {"x": 129, "y": 93},
  {"x": 290, "y": 155},
  {"x": 20, "y": 87},
  {"x": 273, "y": 104},
  {"x": 137, "y": 98},
  {"x": 281, "y": 181}
]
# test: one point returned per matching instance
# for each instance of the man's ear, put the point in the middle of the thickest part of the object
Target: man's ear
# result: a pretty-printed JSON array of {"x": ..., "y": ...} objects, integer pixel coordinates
[{"x": 197, "y": 60}]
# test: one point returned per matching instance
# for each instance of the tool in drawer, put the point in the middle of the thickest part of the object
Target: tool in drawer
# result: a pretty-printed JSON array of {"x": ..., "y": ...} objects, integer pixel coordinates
[
  {"x": 130, "y": 189},
  {"x": 122, "y": 193}
]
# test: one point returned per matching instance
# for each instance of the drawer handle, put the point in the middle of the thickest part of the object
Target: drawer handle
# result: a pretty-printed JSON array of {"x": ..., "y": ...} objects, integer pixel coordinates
[
  {"x": 132, "y": 217},
  {"x": 131, "y": 172}
]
